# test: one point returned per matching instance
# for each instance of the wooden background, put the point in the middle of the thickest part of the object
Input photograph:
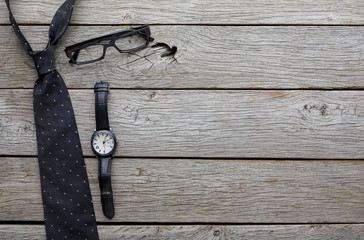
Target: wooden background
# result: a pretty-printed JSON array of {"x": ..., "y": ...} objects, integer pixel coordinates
[{"x": 252, "y": 130}]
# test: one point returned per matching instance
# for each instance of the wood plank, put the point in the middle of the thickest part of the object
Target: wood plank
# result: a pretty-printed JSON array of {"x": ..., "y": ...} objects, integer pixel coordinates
[
  {"x": 219, "y": 123},
  {"x": 207, "y": 57},
  {"x": 206, "y": 232},
  {"x": 193, "y": 12},
  {"x": 219, "y": 191}
]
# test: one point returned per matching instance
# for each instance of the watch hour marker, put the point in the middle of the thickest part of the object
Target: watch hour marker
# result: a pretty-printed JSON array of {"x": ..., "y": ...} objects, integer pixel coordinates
[{"x": 103, "y": 143}]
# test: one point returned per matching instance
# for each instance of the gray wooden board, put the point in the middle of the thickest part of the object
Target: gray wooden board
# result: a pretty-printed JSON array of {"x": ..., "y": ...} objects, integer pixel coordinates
[
  {"x": 203, "y": 232},
  {"x": 217, "y": 49},
  {"x": 207, "y": 57},
  {"x": 215, "y": 191},
  {"x": 206, "y": 123},
  {"x": 193, "y": 12}
]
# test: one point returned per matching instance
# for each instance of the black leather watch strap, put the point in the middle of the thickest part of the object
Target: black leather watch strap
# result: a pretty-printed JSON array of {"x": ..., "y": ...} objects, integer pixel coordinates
[
  {"x": 107, "y": 200},
  {"x": 101, "y": 90}
]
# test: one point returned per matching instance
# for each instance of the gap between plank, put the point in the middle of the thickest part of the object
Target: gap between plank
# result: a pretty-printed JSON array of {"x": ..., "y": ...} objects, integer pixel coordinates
[
  {"x": 218, "y": 89},
  {"x": 204, "y": 158},
  {"x": 182, "y": 223},
  {"x": 201, "y": 24}
]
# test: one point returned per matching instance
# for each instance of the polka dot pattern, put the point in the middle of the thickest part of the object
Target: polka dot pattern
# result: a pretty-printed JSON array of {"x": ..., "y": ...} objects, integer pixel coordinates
[
  {"x": 67, "y": 201},
  {"x": 66, "y": 194}
]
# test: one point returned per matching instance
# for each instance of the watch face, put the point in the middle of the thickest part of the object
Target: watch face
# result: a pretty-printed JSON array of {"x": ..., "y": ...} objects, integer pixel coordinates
[{"x": 103, "y": 142}]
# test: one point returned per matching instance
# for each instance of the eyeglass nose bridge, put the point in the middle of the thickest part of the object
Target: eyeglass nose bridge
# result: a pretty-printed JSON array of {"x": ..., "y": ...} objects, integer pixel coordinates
[
  {"x": 110, "y": 44},
  {"x": 106, "y": 44}
]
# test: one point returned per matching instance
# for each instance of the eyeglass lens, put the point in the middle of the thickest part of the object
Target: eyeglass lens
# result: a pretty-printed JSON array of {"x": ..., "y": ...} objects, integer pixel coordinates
[
  {"x": 90, "y": 53},
  {"x": 130, "y": 42}
]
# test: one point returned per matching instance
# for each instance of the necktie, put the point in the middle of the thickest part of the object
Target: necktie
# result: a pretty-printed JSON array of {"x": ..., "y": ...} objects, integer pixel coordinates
[{"x": 68, "y": 208}]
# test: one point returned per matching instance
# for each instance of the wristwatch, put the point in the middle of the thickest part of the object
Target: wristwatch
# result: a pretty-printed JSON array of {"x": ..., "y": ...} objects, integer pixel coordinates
[{"x": 103, "y": 144}]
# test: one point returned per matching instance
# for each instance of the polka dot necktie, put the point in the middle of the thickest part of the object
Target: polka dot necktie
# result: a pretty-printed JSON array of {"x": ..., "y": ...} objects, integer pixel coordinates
[{"x": 68, "y": 208}]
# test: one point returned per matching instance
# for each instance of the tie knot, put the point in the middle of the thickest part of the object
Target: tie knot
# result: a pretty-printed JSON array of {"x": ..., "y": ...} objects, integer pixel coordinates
[{"x": 44, "y": 60}]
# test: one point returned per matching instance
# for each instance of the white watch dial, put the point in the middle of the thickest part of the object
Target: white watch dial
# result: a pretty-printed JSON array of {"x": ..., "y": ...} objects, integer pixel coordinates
[{"x": 103, "y": 143}]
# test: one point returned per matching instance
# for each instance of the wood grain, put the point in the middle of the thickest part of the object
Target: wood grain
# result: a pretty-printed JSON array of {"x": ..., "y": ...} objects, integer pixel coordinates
[
  {"x": 203, "y": 232},
  {"x": 246, "y": 45},
  {"x": 193, "y": 12},
  {"x": 207, "y": 57},
  {"x": 218, "y": 191},
  {"x": 220, "y": 123}
]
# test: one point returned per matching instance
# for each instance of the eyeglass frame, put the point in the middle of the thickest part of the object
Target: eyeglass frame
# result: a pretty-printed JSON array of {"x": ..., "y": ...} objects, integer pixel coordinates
[{"x": 109, "y": 40}]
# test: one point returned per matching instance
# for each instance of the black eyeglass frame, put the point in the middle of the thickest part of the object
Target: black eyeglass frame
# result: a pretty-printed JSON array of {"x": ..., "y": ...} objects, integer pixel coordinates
[{"x": 109, "y": 40}]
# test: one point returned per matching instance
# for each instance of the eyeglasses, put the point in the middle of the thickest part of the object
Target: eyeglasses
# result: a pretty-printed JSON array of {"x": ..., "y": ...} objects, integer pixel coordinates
[{"x": 125, "y": 41}]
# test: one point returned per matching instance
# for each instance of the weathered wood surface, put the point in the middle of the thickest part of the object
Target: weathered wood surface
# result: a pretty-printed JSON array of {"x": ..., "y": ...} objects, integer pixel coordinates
[
  {"x": 221, "y": 45},
  {"x": 218, "y": 191},
  {"x": 204, "y": 232},
  {"x": 206, "y": 123},
  {"x": 194, "y": 12},
  {"x": 207, "y": 57}
]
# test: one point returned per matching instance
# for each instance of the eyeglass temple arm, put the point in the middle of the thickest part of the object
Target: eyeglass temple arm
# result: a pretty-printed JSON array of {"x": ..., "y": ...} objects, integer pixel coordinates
[{"x": 73, "y": 57}]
